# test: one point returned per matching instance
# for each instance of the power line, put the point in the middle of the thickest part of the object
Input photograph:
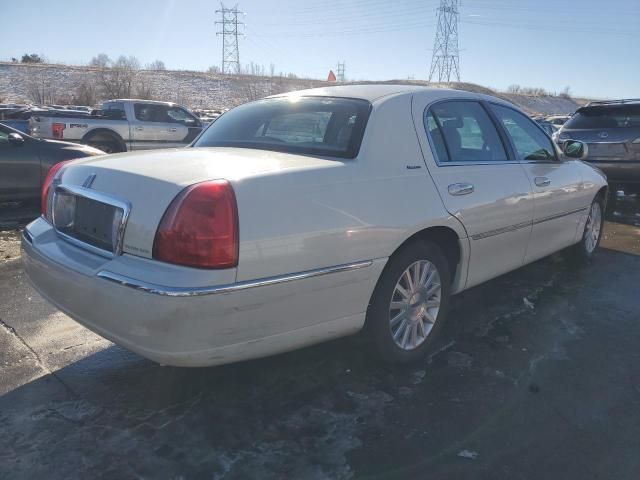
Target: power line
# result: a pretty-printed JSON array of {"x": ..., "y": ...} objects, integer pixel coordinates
[
  {"x": 445, "y": 60},
  {"x": 230, "y": 49}
]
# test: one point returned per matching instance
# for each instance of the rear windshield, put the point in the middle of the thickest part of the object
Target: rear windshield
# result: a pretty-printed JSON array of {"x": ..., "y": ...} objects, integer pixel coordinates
[
  {"x": 606, "y": 117},
  {"x": 323, "y": 126}
]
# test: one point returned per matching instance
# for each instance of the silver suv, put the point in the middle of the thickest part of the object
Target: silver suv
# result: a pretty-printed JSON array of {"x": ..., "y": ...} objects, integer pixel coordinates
[{"x": 611, "y": 130}]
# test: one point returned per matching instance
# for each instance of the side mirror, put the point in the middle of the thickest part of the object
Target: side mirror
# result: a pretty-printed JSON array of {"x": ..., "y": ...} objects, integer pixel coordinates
[
  {"x": 15, "y": 139},
  {"x": 575, "y": 149}
]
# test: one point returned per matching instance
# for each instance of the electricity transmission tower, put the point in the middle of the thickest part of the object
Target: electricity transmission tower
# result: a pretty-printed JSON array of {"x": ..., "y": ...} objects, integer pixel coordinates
[
  {"x": 340, "y": 72},
  {"x": 445, "y": 62},
  {"x": 230, "y": 50}
]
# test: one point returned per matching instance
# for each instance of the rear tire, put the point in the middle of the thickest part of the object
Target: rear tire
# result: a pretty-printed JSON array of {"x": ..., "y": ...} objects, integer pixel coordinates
[
  {"x": 410, "y": 303},
  {"x": 107, "y": 143},
  {"x": 586, "y": 249}
]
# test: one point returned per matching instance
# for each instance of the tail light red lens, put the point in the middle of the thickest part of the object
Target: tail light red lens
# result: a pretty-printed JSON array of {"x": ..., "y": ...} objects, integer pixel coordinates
[
  {"x": 200, "y": 227},
  {"x": 57, "y": 129},
  {"x": 46, "y": 193}
]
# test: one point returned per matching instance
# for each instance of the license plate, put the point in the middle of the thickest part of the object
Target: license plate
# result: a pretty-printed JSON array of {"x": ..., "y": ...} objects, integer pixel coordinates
[
  {"x": 87, "y": 220},
  {"x": 607, "y": 150}
]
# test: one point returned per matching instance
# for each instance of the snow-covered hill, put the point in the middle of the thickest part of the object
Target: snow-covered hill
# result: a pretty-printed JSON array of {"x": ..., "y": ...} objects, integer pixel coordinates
[{"x": 20, "y": 82}]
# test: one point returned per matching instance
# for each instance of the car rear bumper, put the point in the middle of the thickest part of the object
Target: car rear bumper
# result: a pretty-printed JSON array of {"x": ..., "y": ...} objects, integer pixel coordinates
[
  {"x": 621, "y": 171},
  {"x": 184, "y": 325}
]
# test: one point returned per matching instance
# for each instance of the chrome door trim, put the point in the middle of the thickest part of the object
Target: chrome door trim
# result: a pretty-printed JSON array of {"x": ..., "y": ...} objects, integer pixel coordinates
[
  {"x": 518, "y": 226},
  {"x": 228, "y": 288},
  {"x": 559, "y": 215},
  {"x": 499, "y": 231}
]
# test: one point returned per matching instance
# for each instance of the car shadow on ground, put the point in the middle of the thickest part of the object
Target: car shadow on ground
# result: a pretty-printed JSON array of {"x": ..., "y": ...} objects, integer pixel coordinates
[{"x": 515, "y": 385}]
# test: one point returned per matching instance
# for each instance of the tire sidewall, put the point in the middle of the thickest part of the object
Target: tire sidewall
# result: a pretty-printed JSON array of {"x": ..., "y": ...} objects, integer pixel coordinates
[
  {"x": 583, "y": 246},
  {"x": 378, "y": 312}
]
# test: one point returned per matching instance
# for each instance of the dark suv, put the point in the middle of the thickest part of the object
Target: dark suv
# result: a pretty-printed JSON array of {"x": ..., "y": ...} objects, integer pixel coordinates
[{"x": 611, "y": 129}]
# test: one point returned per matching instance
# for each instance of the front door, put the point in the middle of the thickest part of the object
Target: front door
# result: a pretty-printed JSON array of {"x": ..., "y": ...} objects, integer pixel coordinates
[
  {"x": 478, "y": 181},
  {"x": 559, "y": 201},
  {"x": 19, "y": 169}
]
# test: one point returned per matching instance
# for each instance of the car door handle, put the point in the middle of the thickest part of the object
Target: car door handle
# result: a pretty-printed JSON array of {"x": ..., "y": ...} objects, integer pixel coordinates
[
  {"x": 173, "y": 129},
  {"x": 457, "y": 189},
  {"x": 139, "y": 129},
  {"x": 542, "y": 181}
]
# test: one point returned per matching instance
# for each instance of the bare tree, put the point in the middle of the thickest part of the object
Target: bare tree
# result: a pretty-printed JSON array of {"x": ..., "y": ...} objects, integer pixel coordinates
[
  {"x": 143, "y": 89},
  {"x": 214, "y": 69},
  {"x": 157, "y": 65},
  {"x": 514, "y": 88},
  {"x": 39, "y": 88},
  {"x": 117, "y": 81},
  {"x": 101, "y": 60},
  {"x": 85, "y": 93},
  {"x": 566, "y": 92},
  {"x": 33, "y": 58}
]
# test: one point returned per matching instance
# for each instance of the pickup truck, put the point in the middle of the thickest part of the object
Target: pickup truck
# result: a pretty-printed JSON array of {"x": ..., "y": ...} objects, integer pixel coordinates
[{"x": 122, "y": 125}]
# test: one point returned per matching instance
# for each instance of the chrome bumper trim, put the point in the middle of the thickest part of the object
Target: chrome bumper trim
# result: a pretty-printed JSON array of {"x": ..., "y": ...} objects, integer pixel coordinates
[
  {"x": 229, "y": 288},
  {"x": 26, "y": 236}
]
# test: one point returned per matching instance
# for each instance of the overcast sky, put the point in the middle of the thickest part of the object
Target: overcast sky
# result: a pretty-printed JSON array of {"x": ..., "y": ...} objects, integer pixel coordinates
[{"x": 589, "y": 45}]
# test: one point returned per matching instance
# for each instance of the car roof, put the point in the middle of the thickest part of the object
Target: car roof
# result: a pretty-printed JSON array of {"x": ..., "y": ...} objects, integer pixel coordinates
[
  {"x": 154, "y": 102},
  {"x": 375, "y": 92}
]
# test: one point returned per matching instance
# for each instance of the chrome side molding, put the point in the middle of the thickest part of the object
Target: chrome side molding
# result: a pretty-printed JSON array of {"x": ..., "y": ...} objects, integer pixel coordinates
[{"x": 229, "y": 288}]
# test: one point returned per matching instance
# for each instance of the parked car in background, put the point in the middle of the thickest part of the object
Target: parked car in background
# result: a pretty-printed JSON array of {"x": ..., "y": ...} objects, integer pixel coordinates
[
  {"x": 548, "y": 127},
  {"x": 25, "y": 161},
  {"x": 611, "y": 130},
  {"x": 122, "y": 125},
  {"x": 305, "y": 216},
  {"x": 558, "y": 120}
]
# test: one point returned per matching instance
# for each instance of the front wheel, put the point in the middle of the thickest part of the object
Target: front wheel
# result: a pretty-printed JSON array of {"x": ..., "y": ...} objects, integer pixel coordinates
[
  {"x": 410, "y": 302},
  {"x": 586, "y": 249}
]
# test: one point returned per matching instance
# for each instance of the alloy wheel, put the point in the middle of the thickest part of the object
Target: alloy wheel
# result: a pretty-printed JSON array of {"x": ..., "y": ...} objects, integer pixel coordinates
[{"x": 414, "y": 305}]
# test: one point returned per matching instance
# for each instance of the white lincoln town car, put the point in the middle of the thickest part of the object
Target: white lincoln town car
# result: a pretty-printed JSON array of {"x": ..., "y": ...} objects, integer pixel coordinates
[{"x": 308, "y": 216}]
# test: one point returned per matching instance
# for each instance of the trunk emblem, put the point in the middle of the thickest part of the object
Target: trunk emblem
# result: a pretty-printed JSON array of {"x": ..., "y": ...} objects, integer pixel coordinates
[
  {"x": 603, "y": 134},
  {"x": 89, "y": 181}
]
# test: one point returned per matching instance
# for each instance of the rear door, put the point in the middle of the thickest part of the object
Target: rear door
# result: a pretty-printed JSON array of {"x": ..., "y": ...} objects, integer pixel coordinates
[
  {"x": 559, "y": 198},
  {"x": 148, "y": 128},
  {"x": 479, "y": 182}
]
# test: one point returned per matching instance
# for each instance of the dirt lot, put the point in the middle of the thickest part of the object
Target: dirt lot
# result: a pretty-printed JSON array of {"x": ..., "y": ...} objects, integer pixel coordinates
[{"x": 538, "y": 376}]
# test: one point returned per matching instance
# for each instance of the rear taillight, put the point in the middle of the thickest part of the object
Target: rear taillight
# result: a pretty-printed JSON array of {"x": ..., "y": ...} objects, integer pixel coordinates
[
  {"x": 57, "y": 129},
  {"x": 200, "y": 227},
  {"x": 48, "y": 186}
]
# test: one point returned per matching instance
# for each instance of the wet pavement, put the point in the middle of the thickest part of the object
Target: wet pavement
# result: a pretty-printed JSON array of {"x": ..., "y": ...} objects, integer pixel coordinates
[{"x": 537, "y": 376}]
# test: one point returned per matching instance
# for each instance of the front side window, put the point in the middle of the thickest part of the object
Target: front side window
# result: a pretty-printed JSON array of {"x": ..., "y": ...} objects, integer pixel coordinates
[
  {"x": 462, "y": 131},
  {"x": 530, "y": 142},
  {"x": 180, "y": 115},
  {"x": 324, "y": 126}
]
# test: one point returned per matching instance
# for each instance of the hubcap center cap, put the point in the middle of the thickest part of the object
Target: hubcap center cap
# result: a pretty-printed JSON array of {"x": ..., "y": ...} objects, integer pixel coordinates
[{"x": 415, "y": 299}]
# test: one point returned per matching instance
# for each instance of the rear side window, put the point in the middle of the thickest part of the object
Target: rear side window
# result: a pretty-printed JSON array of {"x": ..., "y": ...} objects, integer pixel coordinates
[
  {"x": 602, "y": 117},
  {"x": 114, "y": 110},
  {"x": 530, "y": 142},
  {"x": 463, "y": 132},
  {"x": 150, "y": 112},
  {"x": 324, "y": 126}
]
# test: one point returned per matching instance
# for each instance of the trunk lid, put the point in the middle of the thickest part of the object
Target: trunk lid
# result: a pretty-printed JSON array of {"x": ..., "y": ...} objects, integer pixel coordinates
[{"x": 149, "y": 181}]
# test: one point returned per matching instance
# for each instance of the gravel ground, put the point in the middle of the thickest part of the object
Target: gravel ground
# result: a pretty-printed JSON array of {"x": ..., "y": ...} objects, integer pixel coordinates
[{"x": 537, "y": 376}]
